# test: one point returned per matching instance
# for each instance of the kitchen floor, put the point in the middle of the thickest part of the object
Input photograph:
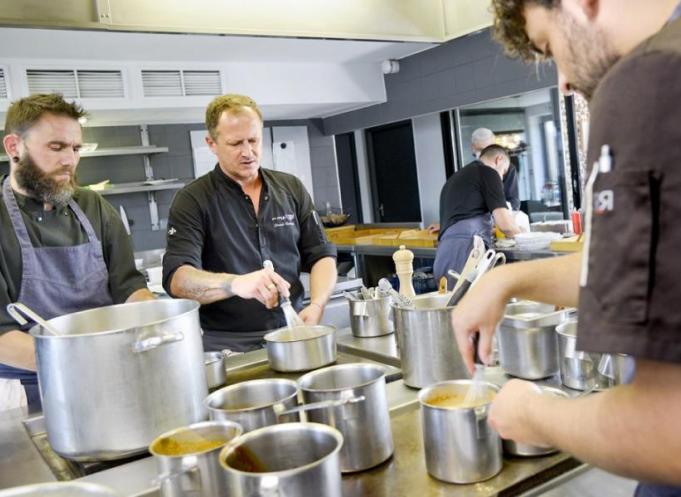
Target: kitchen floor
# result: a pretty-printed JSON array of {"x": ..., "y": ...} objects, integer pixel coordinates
[{"x": 594, "y": 483}]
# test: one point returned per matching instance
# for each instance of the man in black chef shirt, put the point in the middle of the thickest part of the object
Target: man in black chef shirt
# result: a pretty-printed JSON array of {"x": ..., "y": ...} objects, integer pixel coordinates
[
  {"x": 625, "y": 57},
  {"x": 63, "y": 249},
  {"x": 483, "y": 138},
  {"x": 223, "y": 226},
  {"x": 468, "y": 201}
]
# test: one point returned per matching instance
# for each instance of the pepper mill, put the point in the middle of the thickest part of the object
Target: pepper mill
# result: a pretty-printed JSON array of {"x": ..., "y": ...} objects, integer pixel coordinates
[{"x": 403, "y": 266}]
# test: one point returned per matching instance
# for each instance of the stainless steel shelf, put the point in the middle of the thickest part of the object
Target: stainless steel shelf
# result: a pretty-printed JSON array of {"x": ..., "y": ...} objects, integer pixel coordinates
[
  {"x": 121, "y": 188},
  {"x": 104, "y": 152}
]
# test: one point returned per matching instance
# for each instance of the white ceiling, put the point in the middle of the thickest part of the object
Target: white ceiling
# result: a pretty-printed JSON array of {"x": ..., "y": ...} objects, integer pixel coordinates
[
  {"x": 117, "y": 46},
  {"x": 283, "y": 96}
]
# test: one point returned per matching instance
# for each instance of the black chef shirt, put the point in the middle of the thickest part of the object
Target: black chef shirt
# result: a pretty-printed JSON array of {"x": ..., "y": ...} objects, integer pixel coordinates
[
  {"x": 212, "y": 226},
  {"x": 474, "y": 190},
  {"x": 631, "y": 301},
  {"x": 60, "y": 227}
]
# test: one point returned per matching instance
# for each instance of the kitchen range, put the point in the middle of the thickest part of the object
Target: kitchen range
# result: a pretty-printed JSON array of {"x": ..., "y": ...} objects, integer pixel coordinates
[{"x": 404, "y": 466}]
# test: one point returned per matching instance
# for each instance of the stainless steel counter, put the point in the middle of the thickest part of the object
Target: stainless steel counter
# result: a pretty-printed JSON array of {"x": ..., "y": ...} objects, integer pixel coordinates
[
  {"x": 512, "y": 254},
  {"x": 402, "y": 475},
  {"x": 405, "y": 474}
]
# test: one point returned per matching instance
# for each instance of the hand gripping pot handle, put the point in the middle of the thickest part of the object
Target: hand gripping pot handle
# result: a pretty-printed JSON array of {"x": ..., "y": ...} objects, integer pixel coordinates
[{"x": 154, "y": 341}]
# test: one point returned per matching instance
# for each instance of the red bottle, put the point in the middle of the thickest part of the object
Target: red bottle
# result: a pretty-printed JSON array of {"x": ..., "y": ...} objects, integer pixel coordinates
[{"x": 577, "y": 222}]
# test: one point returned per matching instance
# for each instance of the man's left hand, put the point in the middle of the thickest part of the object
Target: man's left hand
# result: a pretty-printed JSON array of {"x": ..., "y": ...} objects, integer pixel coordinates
[
  {"x": 511, "y": 412},
  {"x": 312, "y": 314}
]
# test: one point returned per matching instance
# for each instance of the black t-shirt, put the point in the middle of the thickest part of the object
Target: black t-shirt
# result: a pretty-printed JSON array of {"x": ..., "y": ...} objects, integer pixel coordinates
[
  {"x": 476, "y": 189},
  {"x": 212, "y": 226},
  {"x": 61, "y": 228},
  {"x": 631, "y": 301},
  {"x": 511, "y": 187}
]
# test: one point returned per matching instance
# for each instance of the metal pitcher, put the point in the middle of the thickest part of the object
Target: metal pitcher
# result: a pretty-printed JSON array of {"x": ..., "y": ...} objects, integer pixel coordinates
[
  {"x": 365, "y": 425},
  {"x": 371, "y": 318},
  {"x": 194, "y": 471},
  {"x": 292, "y": 459},
  {"x": 588, "y": 370},
  {"x": 428, "y": 349},
  {"x": 528, "y": 347},
  {"x": 256, "y": 403},
  {"x": 460, "y": 445}
]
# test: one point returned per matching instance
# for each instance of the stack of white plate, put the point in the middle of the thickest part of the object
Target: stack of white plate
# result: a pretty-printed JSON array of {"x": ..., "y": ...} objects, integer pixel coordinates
[{"x": 535, "y": 240}]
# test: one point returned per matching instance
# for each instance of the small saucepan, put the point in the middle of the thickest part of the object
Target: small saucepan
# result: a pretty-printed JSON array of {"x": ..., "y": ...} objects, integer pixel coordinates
[{"x": 301, "y": 348}]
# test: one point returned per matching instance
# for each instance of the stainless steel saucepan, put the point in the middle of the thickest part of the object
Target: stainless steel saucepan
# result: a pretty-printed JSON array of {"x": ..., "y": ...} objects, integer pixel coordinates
[{"x": 301, "y": 348}]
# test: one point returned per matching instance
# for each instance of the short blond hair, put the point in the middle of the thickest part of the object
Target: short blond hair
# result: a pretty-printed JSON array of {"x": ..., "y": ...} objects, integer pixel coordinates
[{"x": 231, "y": 103}]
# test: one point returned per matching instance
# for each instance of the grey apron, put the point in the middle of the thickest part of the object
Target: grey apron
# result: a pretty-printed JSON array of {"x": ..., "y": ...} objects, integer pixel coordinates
[
  {"x": 56, "y": 280},
  {"x": 456, "y": 244}
]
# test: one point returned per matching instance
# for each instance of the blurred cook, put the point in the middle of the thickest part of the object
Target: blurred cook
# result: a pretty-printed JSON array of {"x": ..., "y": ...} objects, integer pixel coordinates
[{"x": 223, "y": 226}]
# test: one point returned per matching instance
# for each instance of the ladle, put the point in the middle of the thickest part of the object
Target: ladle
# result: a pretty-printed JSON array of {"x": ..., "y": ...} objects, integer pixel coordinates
[{"x": 17, "y": 309}]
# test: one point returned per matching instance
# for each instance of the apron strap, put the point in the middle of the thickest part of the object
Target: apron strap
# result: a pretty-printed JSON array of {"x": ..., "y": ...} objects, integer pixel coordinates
[{"x": 15, "y": 215}]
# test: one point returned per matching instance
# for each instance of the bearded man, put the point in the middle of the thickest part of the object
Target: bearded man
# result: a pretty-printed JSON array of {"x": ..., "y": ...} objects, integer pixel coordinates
[
  {"x": 63, "y": 248},
  {"x": 625, "y": 57}
]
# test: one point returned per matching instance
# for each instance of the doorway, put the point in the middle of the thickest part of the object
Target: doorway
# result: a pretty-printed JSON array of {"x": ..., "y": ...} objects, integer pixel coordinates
[
  {"x": 394, "y": 181},
  {"x": 346, "y": 155}
]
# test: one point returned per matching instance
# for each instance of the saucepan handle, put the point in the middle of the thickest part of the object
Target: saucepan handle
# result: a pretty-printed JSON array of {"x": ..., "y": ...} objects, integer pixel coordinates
[
  {"x": 192, "y": 484},
  {"x": 324, "y": 404},
  {"x": 153, "y": 342}
]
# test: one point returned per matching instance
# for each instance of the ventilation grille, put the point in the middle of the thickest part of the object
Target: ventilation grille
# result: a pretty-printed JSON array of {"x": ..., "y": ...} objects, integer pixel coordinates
[
  {"x": 63, "y": 82},
  {"x": 3, "y": 84},
  {"x": 76, "y": 84},
  {"x": 181, "y": 83},
  {"x": 100, "y": 84},
  {"x": 202, "y": 83},
  {"x": 162, "y": 83}
]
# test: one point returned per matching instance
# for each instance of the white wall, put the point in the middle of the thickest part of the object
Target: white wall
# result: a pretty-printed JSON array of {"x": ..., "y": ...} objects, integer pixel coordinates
[
  {"x": 363, "y": 176},
  {"x": 430, "y": 165},
  {"x": 296, "y": 161}
]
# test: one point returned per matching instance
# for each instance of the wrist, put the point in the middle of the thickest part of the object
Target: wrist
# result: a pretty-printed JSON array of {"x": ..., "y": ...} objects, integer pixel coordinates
[
  {"x": 228, "y": 285},
  {"x": 321, "y": 306}
]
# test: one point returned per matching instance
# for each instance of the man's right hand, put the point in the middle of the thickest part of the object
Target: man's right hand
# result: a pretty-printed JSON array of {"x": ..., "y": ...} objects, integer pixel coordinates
[
  {"x": 433, "y": 228},
  {"x": 480, "y": 311},
  {"x": 264, "y": 285}
]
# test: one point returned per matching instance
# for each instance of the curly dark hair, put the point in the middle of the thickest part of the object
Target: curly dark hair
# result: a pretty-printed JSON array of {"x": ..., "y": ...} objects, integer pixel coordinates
[{"x": 509, "y": 27}]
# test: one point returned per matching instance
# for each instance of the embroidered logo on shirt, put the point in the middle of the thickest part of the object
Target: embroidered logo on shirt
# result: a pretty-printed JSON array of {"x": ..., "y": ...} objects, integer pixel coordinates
[
  {"x": 285, "y": 220},
  {"x": 605, "y": 201},
  {"x": 172, "y": 231}
]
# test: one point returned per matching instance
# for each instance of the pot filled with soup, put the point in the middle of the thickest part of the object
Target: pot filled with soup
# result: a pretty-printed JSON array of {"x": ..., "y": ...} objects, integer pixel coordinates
[{"x": 460, "y": 445}]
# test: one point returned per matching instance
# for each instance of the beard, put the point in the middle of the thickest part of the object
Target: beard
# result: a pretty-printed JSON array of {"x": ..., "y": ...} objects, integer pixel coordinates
[
  {"x": 43, "y": 186},
  {"x": 590, "y": 56}
]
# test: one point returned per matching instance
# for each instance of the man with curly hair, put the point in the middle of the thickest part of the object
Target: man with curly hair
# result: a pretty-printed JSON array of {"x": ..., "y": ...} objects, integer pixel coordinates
[{"x": 625, "y": 57}]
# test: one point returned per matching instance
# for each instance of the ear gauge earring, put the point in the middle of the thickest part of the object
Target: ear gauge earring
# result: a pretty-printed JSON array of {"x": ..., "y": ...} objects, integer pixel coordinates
[{"x": 15, "y": 159}]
